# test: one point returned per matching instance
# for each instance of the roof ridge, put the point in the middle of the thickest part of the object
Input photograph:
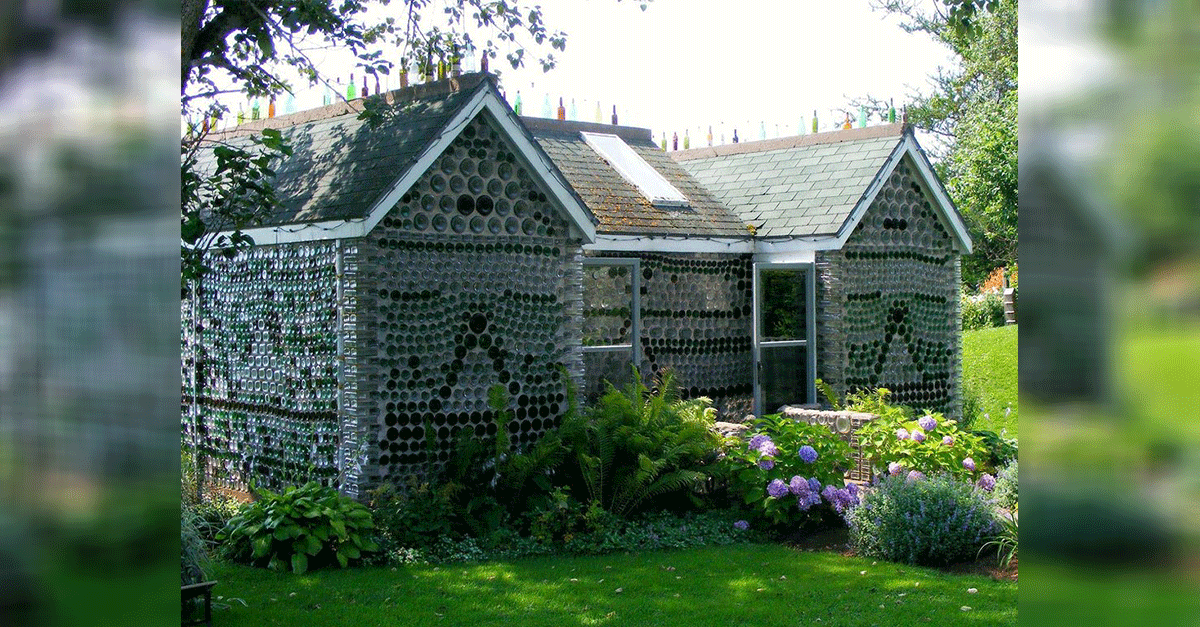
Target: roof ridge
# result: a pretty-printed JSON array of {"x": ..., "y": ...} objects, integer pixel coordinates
[
  {"x": 412, "y": 93},
  {"x": 896, "y": 130}
]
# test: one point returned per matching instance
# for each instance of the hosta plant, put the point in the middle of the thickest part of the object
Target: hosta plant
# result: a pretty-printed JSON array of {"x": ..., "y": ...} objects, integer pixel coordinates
[
  {"x": 299, "y": 528},
  {"x": 789, "y": 471}
]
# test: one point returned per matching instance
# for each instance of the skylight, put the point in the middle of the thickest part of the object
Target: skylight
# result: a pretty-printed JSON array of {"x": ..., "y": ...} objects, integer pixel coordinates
[{"x": 633, "y": 168}]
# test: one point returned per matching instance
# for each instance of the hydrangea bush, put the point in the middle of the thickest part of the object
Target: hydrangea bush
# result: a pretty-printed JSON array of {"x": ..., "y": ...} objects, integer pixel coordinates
[
  {"x": 896, "y": 443},
  {"x": 787, "y": 469},
  {"x": 925, "y": 521}
]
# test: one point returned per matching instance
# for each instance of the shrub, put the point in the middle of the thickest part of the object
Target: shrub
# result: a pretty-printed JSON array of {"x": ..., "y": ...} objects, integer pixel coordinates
[
  {"x": 773, "y": 472},
  {"x": 1005, "y": 492},
  {"x": 413, "y": 518},
  {"x": 928, "y": 522},
  {"x": 491, "y": 482},
  {"x": 193, "y": 550},
  {"x": 1005, "y": 540},
  {"x": 982, "y": 311},
  {"x": 998, "y": 450},
  {"x": 287, "y": 529},
  {"x": 563, "y": 518},
  {"x": 635, "y": 445},
  {"x": 931, "y": 444}
]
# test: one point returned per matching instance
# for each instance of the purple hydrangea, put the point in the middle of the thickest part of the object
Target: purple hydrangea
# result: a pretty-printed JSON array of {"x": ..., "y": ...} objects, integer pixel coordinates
[
  {"x": 840, "y": 498},
  {"x": 902, "y": 434},
  {"x": 918, "y": 435},
  {"x": 852, "y": 489},
  {"x": 914, "y": 475},
  {"x": 894, "y": 468},
  {"x": 969, "y": 464},
  {"x": 927, "y": 422},
  {"x": 777, "y": 488},
  {"x": 808, "y": 454},
  {"x": 766, "y": 463},
  {"x": 948, "y": 440},
  {"x": 986, "y": 482},
  {"x": 741, "y": 524},
  {"x": 808, "y": 499},
  {"x": 757, "y": 441},
  {"x": 814, "y": 485},
  {"x": 798, "y": 485}
]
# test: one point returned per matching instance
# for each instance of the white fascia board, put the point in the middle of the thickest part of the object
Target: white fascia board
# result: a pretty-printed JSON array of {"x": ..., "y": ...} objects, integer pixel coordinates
[
  {"x": 311, "y": 232},
  {"x": 934, "y": 185},
  {"x": 533, "y": 158},
  {"x": 945, "y": 208},
  {"x": 796, "y": 244},
  {"x": 669, "y": 244},
  {"x": 799, "y": 256},
  {"x": 873, "y": 190},
  {"x": 486, "y": 98}
]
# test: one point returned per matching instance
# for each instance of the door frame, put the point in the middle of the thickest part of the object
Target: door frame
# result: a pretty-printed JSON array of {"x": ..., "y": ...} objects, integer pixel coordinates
[{"x": 809, "y": 342}]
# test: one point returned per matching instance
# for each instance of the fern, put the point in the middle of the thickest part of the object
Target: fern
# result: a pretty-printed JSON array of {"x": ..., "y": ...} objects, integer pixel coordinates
[
  {"x": 638, "y": 443},
  {"x": 830, "y": 395}
]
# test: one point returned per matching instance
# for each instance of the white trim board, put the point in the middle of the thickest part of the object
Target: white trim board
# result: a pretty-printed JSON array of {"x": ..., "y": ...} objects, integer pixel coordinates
[
  {"x": 486, "y": 99},
  {"x": 946, "y": 211}
]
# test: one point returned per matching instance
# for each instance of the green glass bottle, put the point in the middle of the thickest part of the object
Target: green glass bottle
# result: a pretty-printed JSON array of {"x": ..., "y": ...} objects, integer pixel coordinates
[
  {"x": 891, "y": 111},
  {"x": 255, "y": 111},
  {"x": 664, "y": 141},
  {"x": 814, "y": 124},
  {"x": 351, "y": 89},
  {"x": 517, "y": 104}
]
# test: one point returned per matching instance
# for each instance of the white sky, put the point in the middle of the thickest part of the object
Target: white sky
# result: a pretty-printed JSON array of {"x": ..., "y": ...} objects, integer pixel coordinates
[{"x": 688, "y": 64}]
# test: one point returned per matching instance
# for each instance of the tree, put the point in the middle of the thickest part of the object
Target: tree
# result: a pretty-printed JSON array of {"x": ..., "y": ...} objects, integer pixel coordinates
[
  {"x": 243, "y": 46},
  {"x": 972, "y": 110}
]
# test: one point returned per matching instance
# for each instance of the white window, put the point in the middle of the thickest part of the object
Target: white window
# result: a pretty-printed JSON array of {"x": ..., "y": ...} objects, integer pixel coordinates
[{"x": 633, "y": 168}]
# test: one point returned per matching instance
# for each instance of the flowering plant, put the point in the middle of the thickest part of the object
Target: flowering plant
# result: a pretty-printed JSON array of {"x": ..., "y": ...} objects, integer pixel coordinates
[
  {"x": 897, "y": 444},
  {"x": 788, "y": 469}
]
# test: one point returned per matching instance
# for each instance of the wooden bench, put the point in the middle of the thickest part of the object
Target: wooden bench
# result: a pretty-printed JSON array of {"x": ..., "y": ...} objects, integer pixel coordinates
[{"x": 194, "y": 590}]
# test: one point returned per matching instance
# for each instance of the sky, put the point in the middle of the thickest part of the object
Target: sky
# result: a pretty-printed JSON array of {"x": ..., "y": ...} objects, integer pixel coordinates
[{"x": 685, "y": 65}]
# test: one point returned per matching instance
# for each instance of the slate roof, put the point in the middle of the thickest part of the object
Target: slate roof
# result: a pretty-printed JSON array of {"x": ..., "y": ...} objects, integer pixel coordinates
[
  {"x": 794, "y": 186},
  {"x": 341, "y": 167},
  {"x": 619, "y": 206}
]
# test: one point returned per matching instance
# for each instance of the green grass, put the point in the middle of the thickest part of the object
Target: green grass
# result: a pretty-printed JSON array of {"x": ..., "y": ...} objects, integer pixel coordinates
[
  {"x": 1156, "y": 368},
  {"x": 990, "y": 372},
  {"x": 748, "y": 584}
]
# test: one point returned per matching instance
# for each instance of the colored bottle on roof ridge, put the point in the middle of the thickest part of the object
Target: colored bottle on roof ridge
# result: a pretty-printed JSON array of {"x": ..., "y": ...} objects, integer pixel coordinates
[
  {"x": 735, "y": 137},
  {"x": 710, "y": 135},
  {"x": 271, "y": 107},
  {"x": 255, "y": 111},
  {"x": 891, "y": 111},
  {"x": 351, "y": 89},
  {"x": 847, "y": 124},
  {"x": 562, "y": 111},
  {"x": 862, "y": 116},
  {"x": 814, "y": 126},
  {"x": 290, "y": 107},
  {"x": 664, "y": 141},
  {"x": 517, "y": 104},
  {"x": 614, "y": 116},
  {"x": 573, "y": 115},
  {"x": 674, "y": 141},
  {"x": 687, "y": 140},
  {"x": 377, "y": 92}
]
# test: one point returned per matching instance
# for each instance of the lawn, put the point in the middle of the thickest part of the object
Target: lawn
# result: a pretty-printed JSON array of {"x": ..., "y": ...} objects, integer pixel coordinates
[
  {"x": 990, "y": 371},
  {"x": 746, "y": 584}
]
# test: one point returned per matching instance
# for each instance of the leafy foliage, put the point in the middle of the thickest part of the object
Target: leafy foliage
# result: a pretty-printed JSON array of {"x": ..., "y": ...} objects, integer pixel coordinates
[
  {"x": 982, "y": 311},
  {"x": 636, "y": 444},
  {"x": 312, "y": 522},
  {"x": 997, "y": 449},
  {"x": 928, "y": 522},
  {"x": 193, "y": 550},
  {"x": 749, "y": 478},
  {"x": 1005, "y": 492},
  {"x": 972, "y": 110},
  {"x": 412, "y": 518},
  {"x": 1006, "y": 540},
  {"x": 891, "y": 439}
]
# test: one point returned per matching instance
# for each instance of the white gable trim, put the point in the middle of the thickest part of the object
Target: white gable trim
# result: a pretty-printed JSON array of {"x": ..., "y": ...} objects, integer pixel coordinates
[
  {"x": 670, "y": 244},
  {"x": 527, "y": 152},
  {"x": 945, "y": 208}
]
